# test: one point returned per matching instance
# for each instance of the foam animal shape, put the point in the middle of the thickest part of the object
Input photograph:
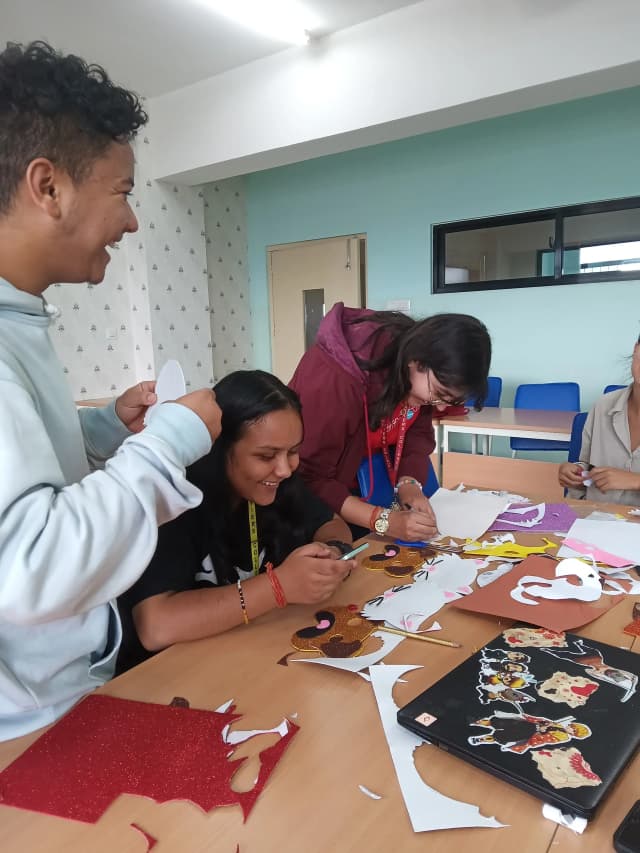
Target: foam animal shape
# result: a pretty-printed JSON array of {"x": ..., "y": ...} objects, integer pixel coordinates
[
  {"x": 396, "y": 560},
  {"x": 340, "y": 632},
  {"x": 506, "y": 550},
  {"x": 558, "y": 588},
  {"x": 443, "y": 579}
]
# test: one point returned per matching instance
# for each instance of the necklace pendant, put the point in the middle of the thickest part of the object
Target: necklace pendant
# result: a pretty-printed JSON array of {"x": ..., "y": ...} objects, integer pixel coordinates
[{"x": 410, "y": 413}]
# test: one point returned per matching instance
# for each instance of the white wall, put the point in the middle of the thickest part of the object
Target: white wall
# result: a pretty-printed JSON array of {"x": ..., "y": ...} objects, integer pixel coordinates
[
  {"x": 154, "y": 297},
  {"x": 424, "y": 67}
]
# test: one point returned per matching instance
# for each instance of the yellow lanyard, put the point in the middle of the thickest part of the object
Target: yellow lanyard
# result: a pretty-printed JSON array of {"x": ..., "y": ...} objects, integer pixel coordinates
[{"x": 253, "y": 533}]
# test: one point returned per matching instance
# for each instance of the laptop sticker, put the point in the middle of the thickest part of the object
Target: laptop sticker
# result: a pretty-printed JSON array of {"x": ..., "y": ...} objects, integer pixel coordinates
[
  {"x": 504, "y": 676},
  {"x": 425, "y": 719},
  {"x": 535, "y": 638},
  {"x": 565, "y": 768},
  {"x": 591, "y": 659},
  {"x": 573, "y": 690},
  {"x": 519, "y": 733}
]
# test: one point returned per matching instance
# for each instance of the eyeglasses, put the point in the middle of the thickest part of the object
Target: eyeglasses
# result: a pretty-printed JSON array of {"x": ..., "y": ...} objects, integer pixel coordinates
[{"x": 438, "y": 400}]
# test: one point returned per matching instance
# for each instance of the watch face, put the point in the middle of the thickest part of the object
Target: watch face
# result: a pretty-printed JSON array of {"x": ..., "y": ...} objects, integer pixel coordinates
[{"x": 381, "y": 525}]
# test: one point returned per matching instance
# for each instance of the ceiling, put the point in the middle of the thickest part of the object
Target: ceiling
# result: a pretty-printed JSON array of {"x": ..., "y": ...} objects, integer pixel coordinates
[{"x": 157, "y": 46}]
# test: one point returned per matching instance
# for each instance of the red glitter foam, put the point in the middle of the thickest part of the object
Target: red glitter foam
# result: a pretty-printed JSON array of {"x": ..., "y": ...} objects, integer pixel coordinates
[{"x": 106, "y": 746}]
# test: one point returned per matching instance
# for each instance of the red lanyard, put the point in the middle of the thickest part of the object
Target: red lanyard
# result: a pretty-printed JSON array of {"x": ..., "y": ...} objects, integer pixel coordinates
[{"x": 402, "y": 430}]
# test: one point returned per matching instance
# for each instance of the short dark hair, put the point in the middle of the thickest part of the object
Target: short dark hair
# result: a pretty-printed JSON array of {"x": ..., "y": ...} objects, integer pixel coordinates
[{"x": 61, "y": 108}]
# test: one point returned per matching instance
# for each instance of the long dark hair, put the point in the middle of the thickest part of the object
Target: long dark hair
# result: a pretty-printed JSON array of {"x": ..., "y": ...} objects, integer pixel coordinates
[
  {"x": 456, "y": 347},
  {"x": 245, "y": 397}
]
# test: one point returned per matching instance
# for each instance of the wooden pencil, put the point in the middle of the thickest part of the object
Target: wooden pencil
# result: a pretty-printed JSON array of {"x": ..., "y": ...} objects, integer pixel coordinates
[{"x": 422, "y": 637}]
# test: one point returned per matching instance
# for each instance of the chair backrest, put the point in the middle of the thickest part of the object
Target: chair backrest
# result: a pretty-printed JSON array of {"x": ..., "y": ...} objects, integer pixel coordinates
[
  {"x": 560, "y": 396},
  {"x": 575, "y": 443},
  {"x": 613, "y": 388},
  {"x": 494, "y": 392},
  {"x": 382, "y": 494}
]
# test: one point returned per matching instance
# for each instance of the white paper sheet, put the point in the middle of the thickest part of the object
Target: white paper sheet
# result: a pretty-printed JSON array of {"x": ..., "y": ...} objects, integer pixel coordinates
[
  {"x": 466, "y": 514},
  {"x": 389, "y": 643},
  {"x": 443, "y": 578},
  {"x": 428, "y": 809},
  {"x": 617, "y": 537},
  {"x": 170, "y": 385},
  {"x": 239, "y": 735}
]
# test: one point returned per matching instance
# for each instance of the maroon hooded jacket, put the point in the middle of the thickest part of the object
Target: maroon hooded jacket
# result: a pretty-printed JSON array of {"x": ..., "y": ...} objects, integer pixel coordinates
[{"x": 333, "y": 390}]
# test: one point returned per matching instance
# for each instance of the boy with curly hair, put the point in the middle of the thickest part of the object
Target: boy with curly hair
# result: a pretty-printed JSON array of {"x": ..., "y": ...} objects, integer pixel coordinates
[{"x": 81, "y": 494}]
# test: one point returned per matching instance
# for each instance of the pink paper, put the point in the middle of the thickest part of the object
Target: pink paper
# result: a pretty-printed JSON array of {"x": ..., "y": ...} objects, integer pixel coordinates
[{"x": 598, "y": 554}]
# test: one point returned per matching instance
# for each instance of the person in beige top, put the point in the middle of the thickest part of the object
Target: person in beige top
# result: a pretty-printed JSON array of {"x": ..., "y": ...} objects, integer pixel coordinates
[{"x": 609, "y": 465}]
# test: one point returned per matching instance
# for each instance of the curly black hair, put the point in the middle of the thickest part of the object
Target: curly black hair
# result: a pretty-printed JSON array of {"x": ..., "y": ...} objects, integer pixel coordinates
[{"x": 61, "y": 108}]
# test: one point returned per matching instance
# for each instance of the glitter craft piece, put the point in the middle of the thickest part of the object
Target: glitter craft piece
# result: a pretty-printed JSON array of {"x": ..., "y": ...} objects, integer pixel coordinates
[
  {"x": 107, "y": 746},
  {"x": 542, "y": 518}
]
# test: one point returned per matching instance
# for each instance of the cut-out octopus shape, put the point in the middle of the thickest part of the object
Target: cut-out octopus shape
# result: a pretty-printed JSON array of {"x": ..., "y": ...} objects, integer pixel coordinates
[
  {"x": 339, "y": 632},
  {"x": 397, "y": 561}
]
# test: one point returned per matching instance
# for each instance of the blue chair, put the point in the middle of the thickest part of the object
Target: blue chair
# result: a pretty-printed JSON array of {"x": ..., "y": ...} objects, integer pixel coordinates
[
  {"x": 557, "y": 396},
  {"x": 494, "y": 392},
  {"x": 575, "y": 444},
  {"x": 613, "y": 388},
  {"x": 382, "y": 494}
]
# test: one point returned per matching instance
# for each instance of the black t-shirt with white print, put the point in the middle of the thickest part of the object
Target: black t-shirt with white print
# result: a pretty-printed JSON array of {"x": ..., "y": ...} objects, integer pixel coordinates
[{"x": 182, "y": 560}]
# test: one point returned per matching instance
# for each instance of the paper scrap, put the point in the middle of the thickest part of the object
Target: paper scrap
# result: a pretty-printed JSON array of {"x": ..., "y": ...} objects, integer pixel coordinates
[
  {"x": 239, "y": 736},
  {"x": 597, "y": 554},
  {"x": 563, "y": 615},
  {"x": 428, "y": 809},
  {"x": 465, "y": 514},
  {"x": 588, "y": 588},
  {"x": 576, "y": 824},
  {"x": 369, "y": 793},
  {"x": 619, "y": 538},
  {"x": 492, "y": 575},
  {"x": 541, "y": 518},
  {"x": 170, "y": 385},
  {"x": 444, "y": 578}
]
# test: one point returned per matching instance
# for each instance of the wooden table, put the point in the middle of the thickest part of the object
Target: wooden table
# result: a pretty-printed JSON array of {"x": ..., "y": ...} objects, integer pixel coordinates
[
  {"x": 498, "y": 472},
  {"x": 547, "y": 425},
  {"x": 312, "y": 802}
]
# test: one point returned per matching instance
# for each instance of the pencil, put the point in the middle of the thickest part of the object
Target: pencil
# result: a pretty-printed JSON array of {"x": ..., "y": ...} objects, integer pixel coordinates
[{"x": 420, "y": 637}]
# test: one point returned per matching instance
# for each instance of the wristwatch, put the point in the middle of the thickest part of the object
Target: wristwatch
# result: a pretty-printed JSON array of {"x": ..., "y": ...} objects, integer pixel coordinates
[{"x": 382, "y": 522}]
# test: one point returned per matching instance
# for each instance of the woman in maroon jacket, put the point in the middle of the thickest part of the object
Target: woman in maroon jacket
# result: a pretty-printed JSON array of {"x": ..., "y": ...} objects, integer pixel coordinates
[{"x": 370, "y": 382}]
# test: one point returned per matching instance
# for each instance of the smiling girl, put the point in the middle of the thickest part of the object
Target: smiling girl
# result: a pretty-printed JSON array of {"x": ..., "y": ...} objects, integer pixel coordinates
[{"x": 245, "y": 550}]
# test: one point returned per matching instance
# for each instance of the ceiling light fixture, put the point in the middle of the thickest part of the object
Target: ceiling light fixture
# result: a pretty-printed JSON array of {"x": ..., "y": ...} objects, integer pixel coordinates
[{"x": 283, "y": 20}]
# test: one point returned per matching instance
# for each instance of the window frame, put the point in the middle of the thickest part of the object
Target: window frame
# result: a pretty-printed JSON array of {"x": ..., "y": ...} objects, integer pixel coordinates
[{"x": 558, "y": 214}]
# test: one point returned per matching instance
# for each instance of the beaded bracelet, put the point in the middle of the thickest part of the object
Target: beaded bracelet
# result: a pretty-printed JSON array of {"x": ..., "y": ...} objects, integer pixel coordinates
[
  {"x": 278, "y": 592},
  {"x": 407, "y": 481},
  {"x": 245, "y": 615}
]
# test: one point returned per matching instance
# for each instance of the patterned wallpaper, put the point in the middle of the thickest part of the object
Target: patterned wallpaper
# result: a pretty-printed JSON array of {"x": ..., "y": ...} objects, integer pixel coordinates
[
  {"x": 226, "y": 238},
  {"x": 153, "y": 304}
]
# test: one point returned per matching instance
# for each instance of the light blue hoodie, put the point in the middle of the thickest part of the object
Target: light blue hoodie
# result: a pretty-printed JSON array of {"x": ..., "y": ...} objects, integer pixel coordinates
[{"x": 75, "y": 531}]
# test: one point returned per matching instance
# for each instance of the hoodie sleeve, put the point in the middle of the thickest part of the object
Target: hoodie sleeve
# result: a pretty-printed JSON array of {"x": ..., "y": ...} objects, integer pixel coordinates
[
  {"x": 333, "y": 415},
  {"x": 65, "y": 550},
  {"x": 103, "y": 432}
]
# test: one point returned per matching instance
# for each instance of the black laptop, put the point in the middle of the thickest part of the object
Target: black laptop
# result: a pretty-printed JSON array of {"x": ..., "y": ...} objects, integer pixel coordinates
[{"x": 555, "y": 714}]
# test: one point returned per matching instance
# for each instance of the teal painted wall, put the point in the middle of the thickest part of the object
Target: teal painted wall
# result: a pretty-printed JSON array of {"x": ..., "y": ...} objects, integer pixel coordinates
[{"x": 579, "y": 151}]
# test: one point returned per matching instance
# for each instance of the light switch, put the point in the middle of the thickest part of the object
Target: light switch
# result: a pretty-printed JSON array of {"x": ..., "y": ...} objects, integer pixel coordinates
[{"x": 403, "y": 305}]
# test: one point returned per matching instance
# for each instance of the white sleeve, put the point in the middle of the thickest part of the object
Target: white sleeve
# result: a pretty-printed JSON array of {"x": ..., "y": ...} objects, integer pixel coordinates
[
  {"x": 65, "y": 549},
  {"x": 103, "y": 432}
]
